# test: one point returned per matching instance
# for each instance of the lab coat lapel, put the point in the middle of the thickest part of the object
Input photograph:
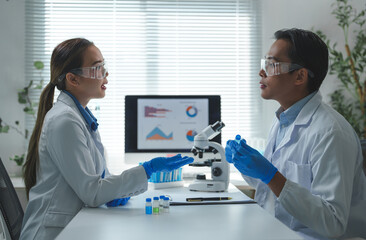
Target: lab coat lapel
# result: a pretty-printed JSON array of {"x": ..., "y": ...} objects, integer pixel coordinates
[
  {"x": 303, "y": 119},
  {"x": 271, "y": 139},
  {"x": 287, "y": 137}
]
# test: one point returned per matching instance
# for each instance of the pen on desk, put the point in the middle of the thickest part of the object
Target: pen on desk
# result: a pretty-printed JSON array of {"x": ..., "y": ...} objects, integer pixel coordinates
[{"x": 200, "y": 199}]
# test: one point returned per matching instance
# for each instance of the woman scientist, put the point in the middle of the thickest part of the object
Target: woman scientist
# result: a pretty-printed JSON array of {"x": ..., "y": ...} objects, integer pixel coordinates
[{"x": 65, "y": 167}]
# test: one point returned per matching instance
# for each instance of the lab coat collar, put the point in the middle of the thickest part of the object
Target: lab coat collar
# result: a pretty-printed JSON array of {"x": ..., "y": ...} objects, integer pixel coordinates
[
  {"x": 308, "y": 110},
  {"x": 63, "y": 97},
  {"x": 86, "y": 115},
  {"x": 303, "y": 118},
  {"x": 289, "y": 116}
]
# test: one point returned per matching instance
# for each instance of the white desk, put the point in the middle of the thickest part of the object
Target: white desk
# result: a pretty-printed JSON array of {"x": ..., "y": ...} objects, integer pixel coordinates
[{"x": 226, "y": 221}]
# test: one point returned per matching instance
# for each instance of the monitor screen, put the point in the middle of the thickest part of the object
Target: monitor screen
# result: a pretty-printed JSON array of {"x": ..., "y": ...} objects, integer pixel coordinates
[{"x": 167, "y": 123}]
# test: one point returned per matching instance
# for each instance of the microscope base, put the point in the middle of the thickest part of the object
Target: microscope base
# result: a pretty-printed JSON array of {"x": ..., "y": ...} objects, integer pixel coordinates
[{"x": 208, "y": 186}]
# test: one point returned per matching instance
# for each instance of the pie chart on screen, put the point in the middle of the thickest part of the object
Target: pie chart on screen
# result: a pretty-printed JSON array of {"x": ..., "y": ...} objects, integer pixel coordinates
[
  {"x": 191, "y": 111},
  {"x": 190, "y": 135}
]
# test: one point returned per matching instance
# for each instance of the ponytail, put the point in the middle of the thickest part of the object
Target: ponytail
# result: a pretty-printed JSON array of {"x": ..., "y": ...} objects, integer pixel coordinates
[{"x": 32, "y": 161}]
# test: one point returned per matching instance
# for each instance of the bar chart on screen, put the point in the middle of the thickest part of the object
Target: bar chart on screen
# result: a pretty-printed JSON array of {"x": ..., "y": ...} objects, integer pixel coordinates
[{"x": 153, "y": 112}]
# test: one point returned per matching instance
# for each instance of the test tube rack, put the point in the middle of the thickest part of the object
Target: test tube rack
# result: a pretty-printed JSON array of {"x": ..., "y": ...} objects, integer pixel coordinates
[{"x": 171, "y": 179}]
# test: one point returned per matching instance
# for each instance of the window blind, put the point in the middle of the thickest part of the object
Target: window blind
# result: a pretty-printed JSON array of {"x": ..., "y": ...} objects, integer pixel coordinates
[{"x": 180, "y": 47}]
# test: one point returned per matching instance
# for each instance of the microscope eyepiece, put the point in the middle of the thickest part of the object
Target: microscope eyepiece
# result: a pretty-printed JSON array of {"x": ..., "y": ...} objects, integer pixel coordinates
[{"x": 217, "y": 126}]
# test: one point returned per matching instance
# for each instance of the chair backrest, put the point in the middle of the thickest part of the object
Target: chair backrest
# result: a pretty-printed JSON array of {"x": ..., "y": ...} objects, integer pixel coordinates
[
  {"x": 363, "y": 146},
  {"x": 10, "y": 206}
]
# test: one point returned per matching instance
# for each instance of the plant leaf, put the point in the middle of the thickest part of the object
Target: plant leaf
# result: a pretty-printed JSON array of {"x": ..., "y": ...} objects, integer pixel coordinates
[
  {"x": 18, "y": 159},
  {"x": 21, "y": 98},
  {"x": 4, "y": 129},
  {"x": 39, "y": 86},
  {"x": 38, "y": 65},
  {"x": 29, "y": 110}
]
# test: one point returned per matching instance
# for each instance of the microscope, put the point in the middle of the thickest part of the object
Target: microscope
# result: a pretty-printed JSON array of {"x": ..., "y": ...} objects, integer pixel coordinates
[{"x": 220, "y": 170}]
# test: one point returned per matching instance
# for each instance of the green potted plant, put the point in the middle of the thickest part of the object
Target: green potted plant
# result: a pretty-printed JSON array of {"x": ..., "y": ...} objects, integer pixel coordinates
[
  {"x": 29, "y": 108},
  {"x": 350, "y": 99}
]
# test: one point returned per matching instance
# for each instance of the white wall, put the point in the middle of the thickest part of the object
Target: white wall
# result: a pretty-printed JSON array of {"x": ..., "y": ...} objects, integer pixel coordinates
[
  {"x": 12, "y": 36},
  {"x": 277, "y": 14}
]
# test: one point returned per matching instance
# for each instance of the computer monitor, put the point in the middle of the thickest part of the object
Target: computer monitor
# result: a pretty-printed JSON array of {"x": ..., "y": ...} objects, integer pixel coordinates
[{"x": 168, "y": 123}]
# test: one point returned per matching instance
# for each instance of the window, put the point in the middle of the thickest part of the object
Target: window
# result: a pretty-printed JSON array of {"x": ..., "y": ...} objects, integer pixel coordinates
[{"x": 158, "y": 47}]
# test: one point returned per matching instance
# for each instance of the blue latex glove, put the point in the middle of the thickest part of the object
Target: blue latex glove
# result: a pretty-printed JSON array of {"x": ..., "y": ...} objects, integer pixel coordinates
[
  {"x": 165, "y": 164},
  {"x": 118, "y": 202},
  {"x": 228, "y": 152},
  {"x": 250, "y": 162}
]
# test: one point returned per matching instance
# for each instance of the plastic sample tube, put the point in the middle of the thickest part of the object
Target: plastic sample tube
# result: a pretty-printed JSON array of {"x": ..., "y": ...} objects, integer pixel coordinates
[
  {"x": 166, "y": 205},
  {"x": 161, "y": 202},
  {"x": 148, "y": 206},
  {"x": 155, "y": 206},
  {"x": 237, "y": 138}
]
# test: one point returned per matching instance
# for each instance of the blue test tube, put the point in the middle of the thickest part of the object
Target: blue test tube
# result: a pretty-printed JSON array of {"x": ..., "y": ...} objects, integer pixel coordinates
[
  {"x": 180, "y": 174},
  {"x": 237, "y": 138},
  {"x": 148, "y": 206}
]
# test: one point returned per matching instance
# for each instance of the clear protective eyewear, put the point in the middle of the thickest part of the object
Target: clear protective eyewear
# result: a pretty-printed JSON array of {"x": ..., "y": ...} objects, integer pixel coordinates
[
  {"x": 97, "y": 72},
  {"x": 276, "y": 68}
]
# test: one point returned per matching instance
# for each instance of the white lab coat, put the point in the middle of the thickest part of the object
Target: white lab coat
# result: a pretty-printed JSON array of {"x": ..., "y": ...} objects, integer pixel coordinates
[
  {"x": 69, "y": 176},
  {"x": 325, "y": 192}
]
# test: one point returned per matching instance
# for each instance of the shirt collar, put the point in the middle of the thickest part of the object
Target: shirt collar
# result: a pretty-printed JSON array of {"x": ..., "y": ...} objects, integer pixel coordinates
[
  {"x": 88, "y": 116},
  {"x": 287, "y": 117}
]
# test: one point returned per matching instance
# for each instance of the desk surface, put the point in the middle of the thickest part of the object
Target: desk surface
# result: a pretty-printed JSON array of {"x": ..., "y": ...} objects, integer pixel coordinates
[{"x": 227, "y": 221}]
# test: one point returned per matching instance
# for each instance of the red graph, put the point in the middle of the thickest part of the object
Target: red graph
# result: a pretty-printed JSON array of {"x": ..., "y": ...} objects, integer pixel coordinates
[{"x": 155, "y": 112}]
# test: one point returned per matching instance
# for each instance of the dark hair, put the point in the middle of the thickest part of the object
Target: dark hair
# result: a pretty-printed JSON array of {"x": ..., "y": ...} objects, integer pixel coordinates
[
  {"x": 66, "y": 56},
  {"x": 308, "y": 50}
]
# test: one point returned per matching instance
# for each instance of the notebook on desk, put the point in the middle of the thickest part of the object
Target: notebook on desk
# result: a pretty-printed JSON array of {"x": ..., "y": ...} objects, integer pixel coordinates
[
  {"x": 211, "y": 203},
  {"x": 179, "y": 196}
]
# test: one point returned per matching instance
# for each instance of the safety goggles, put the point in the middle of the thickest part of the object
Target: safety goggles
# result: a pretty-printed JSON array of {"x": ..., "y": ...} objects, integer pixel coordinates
[
  {"x": 97, "y": 72},
  {"x": 276, "y": 68}
]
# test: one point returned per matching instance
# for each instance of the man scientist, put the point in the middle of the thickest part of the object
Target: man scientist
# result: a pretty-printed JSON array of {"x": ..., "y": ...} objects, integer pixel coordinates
[{"x": 310, "y": 176}]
